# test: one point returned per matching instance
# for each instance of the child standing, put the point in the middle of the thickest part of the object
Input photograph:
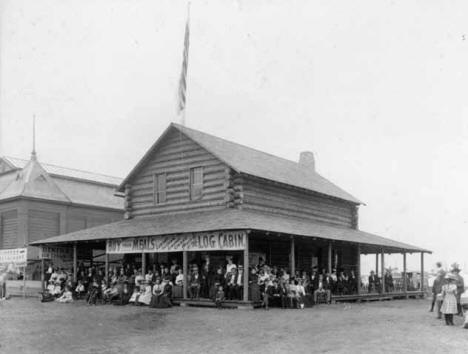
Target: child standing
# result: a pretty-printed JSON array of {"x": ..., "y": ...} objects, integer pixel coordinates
[
  {"x": 219, "y": 298},
  {"x": 449, "y": 296}
]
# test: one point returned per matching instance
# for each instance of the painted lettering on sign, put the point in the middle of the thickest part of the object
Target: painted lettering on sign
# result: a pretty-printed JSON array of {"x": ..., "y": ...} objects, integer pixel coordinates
[
  {"x": 206, "y": 241},
  {"x": 16, "y": 256}
]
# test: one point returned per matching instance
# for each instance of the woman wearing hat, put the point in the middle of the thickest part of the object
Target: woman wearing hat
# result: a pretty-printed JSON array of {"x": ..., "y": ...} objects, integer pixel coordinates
[{"x": 449, "y": 293}]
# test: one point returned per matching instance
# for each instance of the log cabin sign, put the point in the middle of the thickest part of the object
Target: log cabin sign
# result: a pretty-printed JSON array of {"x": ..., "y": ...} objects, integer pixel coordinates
[{"x": 202, "y": 241}]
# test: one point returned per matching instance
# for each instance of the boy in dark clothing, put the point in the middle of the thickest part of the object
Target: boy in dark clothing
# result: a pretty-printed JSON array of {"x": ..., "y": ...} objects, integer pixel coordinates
[{"x": 219, "y": 298}]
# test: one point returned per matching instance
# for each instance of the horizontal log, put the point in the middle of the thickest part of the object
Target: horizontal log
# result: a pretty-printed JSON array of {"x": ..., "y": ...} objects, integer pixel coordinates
[
  {"x": 288, "y": 213},
  {"x": 267, "y": 191},
  {"x": 295, "y": 208},
  {"x": 199, "y": 206}
]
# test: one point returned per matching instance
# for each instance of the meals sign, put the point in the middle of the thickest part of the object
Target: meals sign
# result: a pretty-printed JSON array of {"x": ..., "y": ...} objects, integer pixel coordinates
[{"x": 203, "y": 241}]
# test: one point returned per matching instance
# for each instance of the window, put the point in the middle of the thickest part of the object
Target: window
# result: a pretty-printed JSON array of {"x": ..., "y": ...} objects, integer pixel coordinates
[
  {"x": 196, "y": 183},
  {"x": 159, "y": 188}
]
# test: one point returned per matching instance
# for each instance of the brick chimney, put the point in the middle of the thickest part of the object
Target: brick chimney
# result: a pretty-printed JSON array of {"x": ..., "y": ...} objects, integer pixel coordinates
[{"x": 307, "y": 160}]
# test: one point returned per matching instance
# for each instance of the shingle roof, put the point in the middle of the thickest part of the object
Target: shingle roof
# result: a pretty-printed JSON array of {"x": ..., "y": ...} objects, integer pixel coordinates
[
  {"x": 256, "y": 163},
  {"x": 67, "y": 172},
  {"x": 227, "y": 219}
]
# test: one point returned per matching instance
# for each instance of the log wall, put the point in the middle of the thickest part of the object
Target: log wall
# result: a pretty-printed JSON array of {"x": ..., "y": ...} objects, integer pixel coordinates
[
  {"x": 269, "y": 197},
  {"x": 175, "y": 157}
]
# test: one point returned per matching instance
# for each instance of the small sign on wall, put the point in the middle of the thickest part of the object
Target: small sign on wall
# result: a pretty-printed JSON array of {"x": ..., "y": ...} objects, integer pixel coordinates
[{"x": 16, "y": 256}]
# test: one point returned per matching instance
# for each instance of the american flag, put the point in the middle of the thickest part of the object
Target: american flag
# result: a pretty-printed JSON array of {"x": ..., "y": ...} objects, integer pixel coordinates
[{"x": 183, "y": 74}]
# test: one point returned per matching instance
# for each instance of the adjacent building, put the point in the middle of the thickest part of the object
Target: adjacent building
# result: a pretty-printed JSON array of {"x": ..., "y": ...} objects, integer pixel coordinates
[{"x": 39, "y": 200}]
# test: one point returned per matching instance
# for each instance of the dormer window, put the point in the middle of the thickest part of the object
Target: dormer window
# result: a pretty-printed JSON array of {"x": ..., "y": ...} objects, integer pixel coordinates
[
  {"x": 196, "y": 183},
  {"x": 159, "y": 188}
]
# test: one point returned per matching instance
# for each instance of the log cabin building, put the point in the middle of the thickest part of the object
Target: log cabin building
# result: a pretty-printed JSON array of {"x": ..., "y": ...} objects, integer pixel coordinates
[
  {"x": 194, "y": 196},
  {"x": 39, "y": 200}
]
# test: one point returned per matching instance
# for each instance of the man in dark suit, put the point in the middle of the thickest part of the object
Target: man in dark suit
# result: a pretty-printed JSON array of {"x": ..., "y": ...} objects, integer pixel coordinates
[
  {"x": 240, "y": 283},
  {"x": 374, "y": 282},
  {"x": 388, "y": 279},
  {"x": 231, "y": 284}
]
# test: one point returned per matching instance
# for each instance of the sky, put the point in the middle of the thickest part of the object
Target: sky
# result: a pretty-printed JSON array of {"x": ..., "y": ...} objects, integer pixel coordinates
[{"x": 376, "y": 89}]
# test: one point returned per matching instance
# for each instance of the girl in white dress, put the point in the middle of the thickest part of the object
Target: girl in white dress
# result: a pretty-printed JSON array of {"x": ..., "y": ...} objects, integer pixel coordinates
[{"x": 449, "y": 298}]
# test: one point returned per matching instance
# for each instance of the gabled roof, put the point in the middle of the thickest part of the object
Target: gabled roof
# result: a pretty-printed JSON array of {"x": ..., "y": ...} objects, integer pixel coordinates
[
  {"x": 33, "y": 182},
  {"x": 230, "y": 219},
  {"x": 253, "y": 162},
  {"x": 17, "y": 163},
  {"x": 30, "y": 179}
]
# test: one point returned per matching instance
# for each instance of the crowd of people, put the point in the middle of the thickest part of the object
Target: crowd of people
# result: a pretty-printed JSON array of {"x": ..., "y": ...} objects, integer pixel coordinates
[
  {"x": 446, "y": 293},
  {"x": 268, "y": 285}
]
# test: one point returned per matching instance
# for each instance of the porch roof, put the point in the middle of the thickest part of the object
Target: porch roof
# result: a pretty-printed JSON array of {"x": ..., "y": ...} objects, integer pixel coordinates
[{"x": 231, "y": 219}]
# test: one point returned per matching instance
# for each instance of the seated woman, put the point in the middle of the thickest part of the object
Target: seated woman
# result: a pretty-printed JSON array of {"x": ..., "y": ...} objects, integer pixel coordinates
[
  {"x": 149, "y": 277},
  {"x": 177, "y": 290},
  {"x": 322, "y": 293},
  {"x": 57, "y": 290},
  {"x": 51, "y": 287},
  {"x": 300, "y": 293},
  {"x": 158, "y": 290},
  {"x": 134, "y": 298},
  {"x": 109, "y": 292},
  {"x": 292, "y": 294},
  {"x": 254, "y": 288},
  {"x": 194, "y": 282},
  {"x": 145, "y": 295},
  {"x": 123, "y": 296},
  {"x": 66, "y": 297},
  {"x": 80, "y": 289},
  {"x": 94, "y": 292},
  {"x": 273, "y": 295}
]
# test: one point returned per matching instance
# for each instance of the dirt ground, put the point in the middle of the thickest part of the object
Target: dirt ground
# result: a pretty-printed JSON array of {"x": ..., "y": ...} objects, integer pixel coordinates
[{"x": 401, "y": 326}]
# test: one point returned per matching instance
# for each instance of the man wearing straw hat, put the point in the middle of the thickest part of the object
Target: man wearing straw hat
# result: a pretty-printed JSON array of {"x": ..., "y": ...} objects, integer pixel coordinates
[{"x": 460, "y": 286}]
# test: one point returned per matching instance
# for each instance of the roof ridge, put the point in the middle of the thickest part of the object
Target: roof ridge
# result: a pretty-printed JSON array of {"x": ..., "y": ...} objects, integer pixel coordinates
[
  {"x": 64, "y": 167},
  {"x": 177, "y": 125}
]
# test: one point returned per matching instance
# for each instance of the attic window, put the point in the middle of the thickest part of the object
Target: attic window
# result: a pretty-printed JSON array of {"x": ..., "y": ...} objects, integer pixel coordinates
[
  {"x": 159, "y": 188},
  {"x": 196, "y": 183}
]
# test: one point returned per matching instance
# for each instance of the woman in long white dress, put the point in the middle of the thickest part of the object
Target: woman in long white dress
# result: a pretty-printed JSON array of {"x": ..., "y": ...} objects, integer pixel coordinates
[
  {"x": 145, "y": 298},
  {"x": 449, "y": 298}
]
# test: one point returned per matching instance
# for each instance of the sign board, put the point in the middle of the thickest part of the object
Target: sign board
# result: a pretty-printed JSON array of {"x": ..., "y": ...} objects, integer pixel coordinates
[
  {"x": 16, "y": 256},
  {"x": 60, "y": 256},
  {"x": 202, "y": 241}
]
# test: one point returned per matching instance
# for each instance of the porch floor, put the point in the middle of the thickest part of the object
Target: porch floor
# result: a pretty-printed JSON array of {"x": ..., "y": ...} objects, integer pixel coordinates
[{"x": 378, "y": 296}]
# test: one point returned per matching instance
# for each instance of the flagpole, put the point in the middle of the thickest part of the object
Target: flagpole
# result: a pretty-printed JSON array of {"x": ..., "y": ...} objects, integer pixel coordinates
[{"x": 182, "y": 91}]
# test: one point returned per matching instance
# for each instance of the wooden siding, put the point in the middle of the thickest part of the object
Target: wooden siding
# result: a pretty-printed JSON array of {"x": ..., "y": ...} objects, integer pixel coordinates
[
  {"x": 175, "y": 157},
  {"x": 8, "y": 229},
  {"x": 272, "y": 198},
  {"x": 43, "y": 224}
]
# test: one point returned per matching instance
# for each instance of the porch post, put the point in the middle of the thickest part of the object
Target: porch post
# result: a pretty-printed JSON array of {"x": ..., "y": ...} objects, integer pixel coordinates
[
  {"x": 405, "y": 287},
  {"x": 75, "y": 263},
  {"x": 106, "y": 269},
  {"x": 143, "y": 264},
  {"x": 422, "y": 271},
  {"x": 329, "y": 257},
  {"x": 184, "y": 268},
  {"x": 382, "y": 264},
  {"x": 246, "y": 268},
  {"x": 292, "y": 260},
  {"x": 377, "y": 264},
  {"x": 358, "y": 269},
  {"x": 42, "y": 272}
]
